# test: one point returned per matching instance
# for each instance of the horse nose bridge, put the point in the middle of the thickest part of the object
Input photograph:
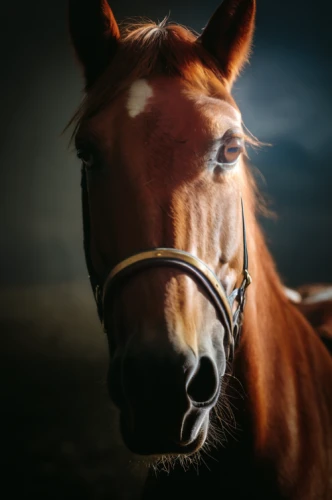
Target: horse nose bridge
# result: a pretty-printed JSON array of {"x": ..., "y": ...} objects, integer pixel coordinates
[{"x": 156, "y": 291}]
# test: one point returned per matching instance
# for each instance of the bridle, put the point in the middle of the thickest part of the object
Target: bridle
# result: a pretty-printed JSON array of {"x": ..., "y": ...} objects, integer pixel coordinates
[{"x": 170, "y": 257}]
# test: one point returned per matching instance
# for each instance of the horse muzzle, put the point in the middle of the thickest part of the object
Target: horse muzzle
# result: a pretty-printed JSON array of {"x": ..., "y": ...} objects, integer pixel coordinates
[{"x": 164, "y": 399}]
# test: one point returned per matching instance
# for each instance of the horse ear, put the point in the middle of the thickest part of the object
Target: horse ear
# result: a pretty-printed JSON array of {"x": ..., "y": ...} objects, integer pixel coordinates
[
  {"x": 94, "y": 34},
  {"x": 228, "y": 35}
]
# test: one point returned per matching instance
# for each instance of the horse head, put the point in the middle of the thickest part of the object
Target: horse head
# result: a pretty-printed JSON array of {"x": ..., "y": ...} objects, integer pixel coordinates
[{"x": 165, "y": 182}]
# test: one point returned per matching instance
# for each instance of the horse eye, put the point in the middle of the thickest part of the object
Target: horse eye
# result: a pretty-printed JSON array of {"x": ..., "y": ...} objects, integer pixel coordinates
[
  {"x": 231, "y": 151},
  {"x": 86, "y": 157}
]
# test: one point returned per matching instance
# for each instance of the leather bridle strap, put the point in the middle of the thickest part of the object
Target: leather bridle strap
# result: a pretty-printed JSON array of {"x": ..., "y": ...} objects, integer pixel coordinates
[
  {"x": 171, "y": 257},
  {"x": 94, "y": 279}
]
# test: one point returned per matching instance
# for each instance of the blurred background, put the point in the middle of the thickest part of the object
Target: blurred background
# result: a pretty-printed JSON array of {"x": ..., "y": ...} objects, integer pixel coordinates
[{"x": 59, "y": 438}]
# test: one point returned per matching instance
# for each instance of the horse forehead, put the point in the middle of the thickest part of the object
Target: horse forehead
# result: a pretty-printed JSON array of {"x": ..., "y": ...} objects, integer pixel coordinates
[{"x": 181, "y": 102}]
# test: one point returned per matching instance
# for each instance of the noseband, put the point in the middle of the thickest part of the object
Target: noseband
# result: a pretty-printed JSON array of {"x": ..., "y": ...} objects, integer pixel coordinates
[{"x": 171, "y": 257}]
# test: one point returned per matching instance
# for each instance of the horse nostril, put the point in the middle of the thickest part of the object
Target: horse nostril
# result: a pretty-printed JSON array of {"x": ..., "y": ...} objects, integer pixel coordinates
[{"x": 203, "y": 385}]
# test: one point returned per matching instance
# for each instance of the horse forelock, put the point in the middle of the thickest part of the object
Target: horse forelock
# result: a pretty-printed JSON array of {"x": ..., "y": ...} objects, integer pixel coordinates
[{"x": 145, "y": 51}]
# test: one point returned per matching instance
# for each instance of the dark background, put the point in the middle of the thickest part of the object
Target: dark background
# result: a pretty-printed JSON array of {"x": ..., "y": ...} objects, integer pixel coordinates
[{"x": 58, "y": 433}]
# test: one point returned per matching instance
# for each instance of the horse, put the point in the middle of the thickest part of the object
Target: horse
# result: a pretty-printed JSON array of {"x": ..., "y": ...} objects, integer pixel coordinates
[{"x": 222, "y": 384}]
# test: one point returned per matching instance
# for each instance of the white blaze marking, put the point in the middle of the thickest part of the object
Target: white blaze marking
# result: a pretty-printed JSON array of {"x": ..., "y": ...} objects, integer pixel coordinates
[{"x": 139, "y": 93}]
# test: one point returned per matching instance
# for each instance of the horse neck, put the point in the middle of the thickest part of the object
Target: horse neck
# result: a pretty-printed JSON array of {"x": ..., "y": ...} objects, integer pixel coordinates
[{"x": 280, "y": 364}]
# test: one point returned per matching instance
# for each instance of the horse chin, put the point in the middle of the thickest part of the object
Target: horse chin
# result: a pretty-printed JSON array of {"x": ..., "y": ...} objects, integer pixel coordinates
[{"x": 156, "y": 446}]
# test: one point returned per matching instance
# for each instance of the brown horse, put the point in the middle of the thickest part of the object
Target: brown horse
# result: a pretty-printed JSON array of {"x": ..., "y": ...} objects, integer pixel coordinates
[{"x": 169, "y": 209}]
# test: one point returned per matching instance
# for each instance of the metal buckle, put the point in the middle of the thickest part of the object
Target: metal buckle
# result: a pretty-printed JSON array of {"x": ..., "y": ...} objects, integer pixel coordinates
[{"x": 247, "y": 278}]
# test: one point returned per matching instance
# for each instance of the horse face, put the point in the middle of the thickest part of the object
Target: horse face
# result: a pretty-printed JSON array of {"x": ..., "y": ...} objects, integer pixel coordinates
[
  {"x": 163, "y": 179},
  {"x": 164, "y": 169}
]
